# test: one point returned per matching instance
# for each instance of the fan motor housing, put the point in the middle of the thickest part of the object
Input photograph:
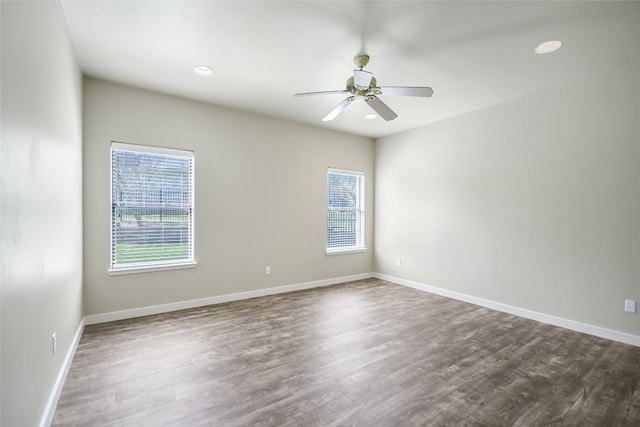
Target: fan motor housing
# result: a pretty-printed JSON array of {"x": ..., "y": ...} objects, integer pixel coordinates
[{"x": 351, "y": 87}]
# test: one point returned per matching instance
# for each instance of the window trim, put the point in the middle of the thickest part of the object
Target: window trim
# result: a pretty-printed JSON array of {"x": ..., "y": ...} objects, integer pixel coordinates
[
  {"x": 340, "y": 251},
  {"x": 160, "y": 265},
  {"x": 349, "y": 249},
  {"x": 151, "y": 268}
]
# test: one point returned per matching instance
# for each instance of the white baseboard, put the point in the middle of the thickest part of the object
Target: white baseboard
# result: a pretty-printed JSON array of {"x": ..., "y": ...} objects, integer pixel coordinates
[
  {"x": 164, "y": 308},
  {"x": 52, "y": 403},
  {"x": 597, "y": 331}
]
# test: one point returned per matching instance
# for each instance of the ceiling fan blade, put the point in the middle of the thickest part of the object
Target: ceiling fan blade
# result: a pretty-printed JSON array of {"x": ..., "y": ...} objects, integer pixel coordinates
[
  {"x": 326, "y": 92},
  {"x": 381, "y": 108},
  {"x": 362, "y": 78},
  {"x": 406, "y": 91},
  {"x": 339, "y": 108}
]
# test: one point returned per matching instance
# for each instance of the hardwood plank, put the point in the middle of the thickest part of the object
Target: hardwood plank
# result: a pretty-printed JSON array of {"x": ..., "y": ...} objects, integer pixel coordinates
[{"x": 361, "y": 353}]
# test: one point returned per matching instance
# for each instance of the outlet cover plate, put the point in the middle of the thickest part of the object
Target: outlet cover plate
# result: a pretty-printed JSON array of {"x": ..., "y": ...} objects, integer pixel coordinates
[{"x": 629, "y": 306}]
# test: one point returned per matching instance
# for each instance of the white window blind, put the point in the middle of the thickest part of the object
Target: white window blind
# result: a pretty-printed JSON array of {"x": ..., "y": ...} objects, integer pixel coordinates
[
  {"x": 151, "y": 207},
  {"x": 345, "y": 210}
]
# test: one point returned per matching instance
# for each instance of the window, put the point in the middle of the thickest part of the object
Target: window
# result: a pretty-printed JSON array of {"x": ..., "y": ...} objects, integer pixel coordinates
[
  {"x": 345, "y": 211},
  {"x": 151, "y": 208}
]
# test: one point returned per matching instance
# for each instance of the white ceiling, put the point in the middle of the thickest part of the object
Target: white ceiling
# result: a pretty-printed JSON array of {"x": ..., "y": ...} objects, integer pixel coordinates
[{"x": 473, "y": 54}]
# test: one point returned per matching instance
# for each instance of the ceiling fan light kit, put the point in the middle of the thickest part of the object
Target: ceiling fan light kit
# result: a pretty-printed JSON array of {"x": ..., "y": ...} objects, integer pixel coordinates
[{"x": 363, "y": 85}]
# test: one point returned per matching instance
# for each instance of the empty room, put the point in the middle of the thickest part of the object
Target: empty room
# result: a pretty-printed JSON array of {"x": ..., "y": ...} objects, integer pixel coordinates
[{"x": 316, "y": 213}]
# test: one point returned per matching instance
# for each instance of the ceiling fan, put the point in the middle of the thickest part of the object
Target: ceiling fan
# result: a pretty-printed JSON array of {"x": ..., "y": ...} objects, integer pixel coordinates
[{"x": 363, "y": 85}]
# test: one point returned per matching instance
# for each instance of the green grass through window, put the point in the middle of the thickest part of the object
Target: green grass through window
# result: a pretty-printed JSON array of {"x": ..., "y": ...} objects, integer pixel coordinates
[{"x": 149, "y": 252}]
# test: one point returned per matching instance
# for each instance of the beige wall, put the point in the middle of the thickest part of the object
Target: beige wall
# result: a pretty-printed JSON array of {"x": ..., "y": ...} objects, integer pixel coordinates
[
  {"x": 534, "y": 203},
  {"x": 260, "y": 197},
  {"x": 41, "y": 214}
]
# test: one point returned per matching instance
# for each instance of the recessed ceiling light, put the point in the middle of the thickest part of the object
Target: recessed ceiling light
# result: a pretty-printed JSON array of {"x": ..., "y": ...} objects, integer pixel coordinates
[
  {"x": 548, "y": 47},
  {"x": 203, "y": 70},
  {"x": 371, "y": 116}
]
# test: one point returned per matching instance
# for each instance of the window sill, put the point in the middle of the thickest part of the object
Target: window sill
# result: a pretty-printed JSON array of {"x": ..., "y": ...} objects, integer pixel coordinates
[
  {"x": 150, "y": 268},
  {"x": 345, "y": 251}
]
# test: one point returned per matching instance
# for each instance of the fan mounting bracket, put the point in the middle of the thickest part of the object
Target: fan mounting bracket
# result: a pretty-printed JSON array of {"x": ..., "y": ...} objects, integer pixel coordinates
[{"x": 361, "y": 60}]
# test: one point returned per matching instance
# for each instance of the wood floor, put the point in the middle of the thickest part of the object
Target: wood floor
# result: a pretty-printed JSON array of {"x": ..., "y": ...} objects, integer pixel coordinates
[{"x": 365, "y": 353}]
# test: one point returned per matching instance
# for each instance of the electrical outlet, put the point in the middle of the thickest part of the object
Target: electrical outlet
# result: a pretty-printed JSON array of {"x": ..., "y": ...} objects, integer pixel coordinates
[
  {"x": 398, "y": 262},
  {"x": 267, "y": 269},
  {"x": 54, "y": 344},
  {"x": 630, "y": 306}
]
